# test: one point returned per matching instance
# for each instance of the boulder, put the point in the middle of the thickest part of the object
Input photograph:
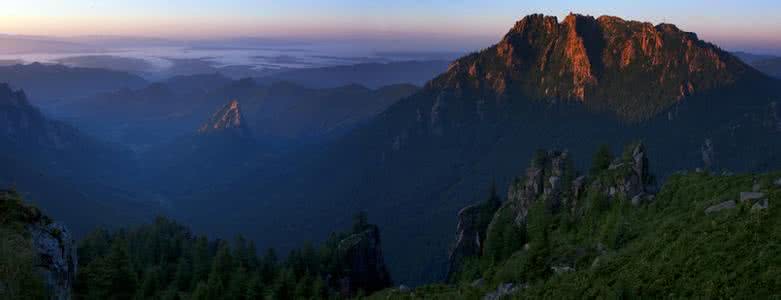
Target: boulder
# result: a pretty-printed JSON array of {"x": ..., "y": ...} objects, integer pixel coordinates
[
  {"x": 596, "y": 263},
  {"x": 777, "y": 182},
  {"x": 760, "y": 205},
  {"x": 503, "y": 290},
  {"x": 562, "y": 269},
  {"x": 721, "y": 206},
  {"x": 478, "y": 283},
  {"x": 640, "y": 199},
  {"x": 751, "y": 196}
]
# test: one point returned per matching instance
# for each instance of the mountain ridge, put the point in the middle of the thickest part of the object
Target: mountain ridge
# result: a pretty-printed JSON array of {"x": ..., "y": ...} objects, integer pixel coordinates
[{"x": 597, "y": 62}]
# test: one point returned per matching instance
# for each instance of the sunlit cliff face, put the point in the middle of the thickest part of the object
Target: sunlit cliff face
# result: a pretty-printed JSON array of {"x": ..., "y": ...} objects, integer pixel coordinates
[{"x": 598, "y": 61}]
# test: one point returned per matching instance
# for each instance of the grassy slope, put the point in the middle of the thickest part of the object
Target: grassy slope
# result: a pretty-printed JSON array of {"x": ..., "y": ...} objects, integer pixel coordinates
[{"x": 668, "y": 248}]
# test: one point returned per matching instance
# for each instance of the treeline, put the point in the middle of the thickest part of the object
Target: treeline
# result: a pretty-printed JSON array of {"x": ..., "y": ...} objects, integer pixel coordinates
[{"x": 164, "y": 260}]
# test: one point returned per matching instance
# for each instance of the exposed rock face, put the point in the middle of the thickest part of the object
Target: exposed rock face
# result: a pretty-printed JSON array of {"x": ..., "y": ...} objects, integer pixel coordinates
[
  {"x": 598, "y": 61},
  {"x": 639, "y": 178},
  {"x": 558, "y": 270},
  {"x": 760, "y": 205},
  {"x": 721, "y": 206},
  {"x": 366, "y": 270},
  {"x": 751, "y": 196},
  {"x": 227, "y": 119},
  {"x": 708, "y": 154},
  {"x": 504, "y": 290},
  {"x": 634, "y": 180},
  {"x": 57, "y": 252},
  {"x": 51, "y": 243},
  {"x": 473, "y": 222},
  {"x": 21, "y": 123},
  {"x": 578, "y": 187},
  {"x": 544, "y": 178},
  {"x": 468, "y": 238}
]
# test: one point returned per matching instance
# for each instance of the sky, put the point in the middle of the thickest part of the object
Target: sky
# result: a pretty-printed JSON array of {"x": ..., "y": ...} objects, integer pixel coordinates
[{"x": 735, "y": 25}]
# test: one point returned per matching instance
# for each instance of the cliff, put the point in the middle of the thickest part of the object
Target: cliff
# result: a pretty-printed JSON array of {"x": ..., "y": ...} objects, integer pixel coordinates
[
  {"x": 45, "y": 249},
  {"x": 632, "y": 69},
  {"x": 364, "y": 265}
]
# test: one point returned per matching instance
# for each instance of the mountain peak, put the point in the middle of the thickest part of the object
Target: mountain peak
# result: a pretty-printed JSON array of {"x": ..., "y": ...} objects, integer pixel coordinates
[
  {"x": 228, "y": 118},
  {"x": 633, "y": 69}
]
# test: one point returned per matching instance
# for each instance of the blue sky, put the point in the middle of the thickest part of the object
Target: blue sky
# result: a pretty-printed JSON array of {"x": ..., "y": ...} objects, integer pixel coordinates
[{"x": 733, "y": 24}]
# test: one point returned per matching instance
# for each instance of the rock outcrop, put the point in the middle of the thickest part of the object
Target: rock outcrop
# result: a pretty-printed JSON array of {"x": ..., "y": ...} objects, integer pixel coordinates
[
  {"x": 751, "y": 196},
  {"x": 365, "y": 265},
  {"x": 473, "y": 222},
  {"x": 51, "y": 243},
  {"x": 708, "y": 155},
  {"x": 632, "y": 180},
  {"x": 721, "y": 206},
  {"x": 469, "y": 238},
  {"x": 546, "y": 179},
  {"x": 504, "y": 290},
  {"x": 57, "y": 252}
]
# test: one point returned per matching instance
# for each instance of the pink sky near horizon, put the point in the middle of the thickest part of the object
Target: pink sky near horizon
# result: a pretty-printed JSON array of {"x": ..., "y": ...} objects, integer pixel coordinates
[{"x": 721, "y": 22}]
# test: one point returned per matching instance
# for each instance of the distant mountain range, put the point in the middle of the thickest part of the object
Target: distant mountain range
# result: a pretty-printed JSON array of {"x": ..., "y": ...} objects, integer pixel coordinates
[
  {"x": 49, "y": 84},
  {"x": 372, "y": 75},
  {"x": 18, "y": 44},
  {"x": 769, "y": 64},
  {"x": 280, "y": 111}
]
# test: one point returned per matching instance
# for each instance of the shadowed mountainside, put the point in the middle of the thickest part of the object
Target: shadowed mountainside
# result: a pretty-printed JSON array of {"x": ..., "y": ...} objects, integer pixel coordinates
[{"x": 81, "y": 180}]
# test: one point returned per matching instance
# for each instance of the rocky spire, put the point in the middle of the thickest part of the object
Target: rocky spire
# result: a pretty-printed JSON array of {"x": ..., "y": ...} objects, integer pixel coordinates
[
  {"x": 365, "y": 271},
  {"x": 228, "y": 118}
]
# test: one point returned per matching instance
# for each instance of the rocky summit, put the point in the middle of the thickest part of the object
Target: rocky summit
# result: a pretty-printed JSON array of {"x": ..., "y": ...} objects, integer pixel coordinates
[
  {"x": 633, "y": 69},
  {"x": 228, "y": 118}
]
